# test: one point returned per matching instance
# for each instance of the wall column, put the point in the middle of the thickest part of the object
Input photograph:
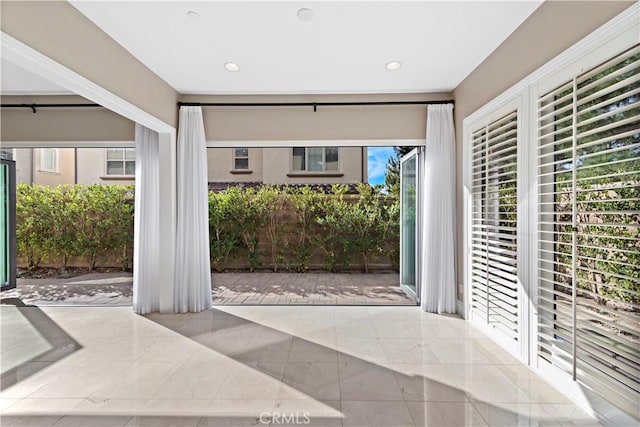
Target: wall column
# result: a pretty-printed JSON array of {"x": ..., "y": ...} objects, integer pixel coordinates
[{"x": 168, "y": 209}]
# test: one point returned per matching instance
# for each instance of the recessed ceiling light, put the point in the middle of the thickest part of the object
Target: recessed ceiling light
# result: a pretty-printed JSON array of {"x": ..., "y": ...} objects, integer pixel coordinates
[
  {"x": 193, "y": 14},
  {"x": 305, "y": 14},
  {"x": 231, "y": 66},
  {"x": 394, "y": 65}
]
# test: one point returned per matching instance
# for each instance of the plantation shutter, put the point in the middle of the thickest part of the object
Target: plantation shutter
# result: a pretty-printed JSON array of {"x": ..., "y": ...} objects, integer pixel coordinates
[
  {"x": 494, "y": 256},
  {"x": 589, "y": 222}
]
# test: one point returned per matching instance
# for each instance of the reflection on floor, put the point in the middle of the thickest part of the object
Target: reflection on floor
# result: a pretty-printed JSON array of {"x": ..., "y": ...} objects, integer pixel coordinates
[{"x": 243, "y": 365}]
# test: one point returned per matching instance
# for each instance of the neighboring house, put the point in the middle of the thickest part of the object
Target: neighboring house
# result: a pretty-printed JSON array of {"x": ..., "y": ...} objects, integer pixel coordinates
[
  {"x": 57, "y": 166},
  {"x": 300, "y": 165}
]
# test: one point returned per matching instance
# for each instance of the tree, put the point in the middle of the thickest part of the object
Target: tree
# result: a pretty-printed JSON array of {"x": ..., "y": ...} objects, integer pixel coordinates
[{"x": 392, "y": 177}]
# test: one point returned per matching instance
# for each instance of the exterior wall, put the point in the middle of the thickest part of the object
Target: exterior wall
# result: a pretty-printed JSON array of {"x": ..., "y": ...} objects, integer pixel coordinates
[
  {"x": 273, "y": 165},
  {"x": 92, "y": 168},
  {"x": 220, "y": 165},
  {"x": 24, "y": 165},
  {"x": 66, "y": 168},
  {"x": 552, "y": 28},
  {"x": 278, "y": 166}
]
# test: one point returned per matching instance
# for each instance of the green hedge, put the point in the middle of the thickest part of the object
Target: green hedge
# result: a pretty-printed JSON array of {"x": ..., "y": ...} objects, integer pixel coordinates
[
  {"x": 89, "y": 222},
  {"x": 280, "y": 228},
  {"x": 297, "y": 223}
]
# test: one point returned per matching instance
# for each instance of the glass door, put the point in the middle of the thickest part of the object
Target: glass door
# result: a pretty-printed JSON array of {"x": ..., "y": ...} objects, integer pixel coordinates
[
  {"x": 7, "y": 225},
  {"x": 409, "y": 209}
]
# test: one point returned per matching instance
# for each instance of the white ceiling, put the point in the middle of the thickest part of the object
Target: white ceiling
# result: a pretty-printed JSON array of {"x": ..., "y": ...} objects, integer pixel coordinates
[
  {"x": 15, "y": 80},
  {"x": 344, "y": 48}
]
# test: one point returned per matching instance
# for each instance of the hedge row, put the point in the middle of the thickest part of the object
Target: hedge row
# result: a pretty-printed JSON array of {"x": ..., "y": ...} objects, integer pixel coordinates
[
  {"x": 281, "y": 228},
  {"x": 297, "y": 223},
  {"x": 90, "y": 222}
]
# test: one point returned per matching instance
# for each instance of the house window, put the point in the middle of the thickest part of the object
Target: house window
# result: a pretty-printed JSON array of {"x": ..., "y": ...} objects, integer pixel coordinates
[
  {"x": 49, "y": 160},
  {"x": 315, "y": 159},
  {"x": 241, "y": 158},
  {"x": 121, "y": 161}
]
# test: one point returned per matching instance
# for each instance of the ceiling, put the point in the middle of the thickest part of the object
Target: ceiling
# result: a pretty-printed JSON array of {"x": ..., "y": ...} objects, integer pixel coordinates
[
  {"x": 15, "y": 80},
  {"x": 343, "y": 49}
]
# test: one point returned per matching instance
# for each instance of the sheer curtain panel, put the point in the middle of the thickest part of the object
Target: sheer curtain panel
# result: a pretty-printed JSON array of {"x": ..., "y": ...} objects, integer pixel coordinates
[
  {"x": 193, "y": 269},
  {"x": 438, "y": 274},
  {"x": 146, "y": 254}
]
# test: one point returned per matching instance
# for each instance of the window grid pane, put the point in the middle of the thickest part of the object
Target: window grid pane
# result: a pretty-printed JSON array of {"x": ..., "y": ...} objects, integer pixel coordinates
[
  {"x": 316, "y": 162},
  {"x": 299, "y": 163},
  {"x": 331, "y": 159},
  {"x": 241, "y": 163}
]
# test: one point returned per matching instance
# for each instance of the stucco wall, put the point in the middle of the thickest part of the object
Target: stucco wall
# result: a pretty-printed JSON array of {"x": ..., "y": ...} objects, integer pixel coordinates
[
  {"x": 220, "y": 164},
  {"x": 92, "y": 168},
  {"x": 24, "y": 160},
  {"x": 64, "y": 174}
]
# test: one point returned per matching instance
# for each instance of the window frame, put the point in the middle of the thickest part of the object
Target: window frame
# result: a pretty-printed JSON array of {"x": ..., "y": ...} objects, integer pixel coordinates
[
  {"x": 235, "y": 157},
  {"x": 56, "y": 158},
  {"x": 306, "y": 162},
  {"x": 124, "y": 162}
]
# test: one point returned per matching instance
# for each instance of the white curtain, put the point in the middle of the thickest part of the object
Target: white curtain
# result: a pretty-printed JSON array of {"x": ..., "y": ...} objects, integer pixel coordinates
[
  {"x": 438, "y": 274},
  {"x": 146, "y": 254},
  {"x": 193, "y": 270}
]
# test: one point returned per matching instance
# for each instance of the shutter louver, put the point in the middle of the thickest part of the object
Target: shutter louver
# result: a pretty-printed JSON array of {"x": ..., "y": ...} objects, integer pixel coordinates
[
  {"x": 494, "y": 261},
  {"x": 589, "y": 222}
]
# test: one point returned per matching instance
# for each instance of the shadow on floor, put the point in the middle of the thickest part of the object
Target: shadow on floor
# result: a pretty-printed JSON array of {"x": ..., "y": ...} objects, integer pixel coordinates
[{"x": 16, "y": 354}]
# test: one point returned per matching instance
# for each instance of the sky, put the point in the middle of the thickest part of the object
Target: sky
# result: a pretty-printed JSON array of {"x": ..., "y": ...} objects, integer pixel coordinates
[{"x": 377, "y": 162}]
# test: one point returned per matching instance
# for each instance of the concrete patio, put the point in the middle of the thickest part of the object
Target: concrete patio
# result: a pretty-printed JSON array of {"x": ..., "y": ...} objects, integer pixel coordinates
[{"x": 116, "y": 289}]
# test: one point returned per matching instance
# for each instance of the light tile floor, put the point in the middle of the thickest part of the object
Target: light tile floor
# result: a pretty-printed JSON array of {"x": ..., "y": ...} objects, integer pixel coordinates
[{"x": 264, "y": 365}]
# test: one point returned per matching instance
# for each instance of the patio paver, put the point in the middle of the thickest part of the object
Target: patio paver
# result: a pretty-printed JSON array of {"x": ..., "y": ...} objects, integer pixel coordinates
[{"x": 116, "y": 289}]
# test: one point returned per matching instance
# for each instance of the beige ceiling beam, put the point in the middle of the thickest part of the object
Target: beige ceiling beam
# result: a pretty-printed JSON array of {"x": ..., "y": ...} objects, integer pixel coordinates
[{"x": 60, "y": 32}]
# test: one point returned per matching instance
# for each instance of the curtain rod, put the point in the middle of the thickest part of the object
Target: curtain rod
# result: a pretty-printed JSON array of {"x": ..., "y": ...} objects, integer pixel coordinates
[
  {"x": 315, "y": 105},
  {"x": 35, "y": 106}
]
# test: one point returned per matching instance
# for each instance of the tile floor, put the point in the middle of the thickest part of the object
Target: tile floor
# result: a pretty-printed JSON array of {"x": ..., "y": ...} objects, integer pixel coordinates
[{"x": 264, "y": 365}]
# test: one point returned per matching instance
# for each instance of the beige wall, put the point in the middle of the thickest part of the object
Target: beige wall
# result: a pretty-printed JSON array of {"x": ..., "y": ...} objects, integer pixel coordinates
[
  {"x": 62, "y": 124},
  {"x": 59, "y": 31},
  {"x": 220, "y": 165},
  {"x": 92, "y": 168},
  {"x": 328, "y": 123},
  {"x": 272, "y": 165},
  {"x": 551, "y": 29},
  {"x": 65, "y": 171},
  {"x": 24, "y": 162}
]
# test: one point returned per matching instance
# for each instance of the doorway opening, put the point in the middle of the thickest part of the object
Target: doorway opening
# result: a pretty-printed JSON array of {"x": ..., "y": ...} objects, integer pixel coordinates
[{"x": 305, "y": 224}]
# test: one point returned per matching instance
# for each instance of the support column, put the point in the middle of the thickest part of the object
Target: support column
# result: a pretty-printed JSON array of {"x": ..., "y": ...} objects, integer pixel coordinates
[{"x": 168, "y": 210}]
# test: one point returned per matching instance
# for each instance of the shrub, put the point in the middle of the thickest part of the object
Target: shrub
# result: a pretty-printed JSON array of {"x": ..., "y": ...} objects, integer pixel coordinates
[{"x": 90, "y": 222}]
